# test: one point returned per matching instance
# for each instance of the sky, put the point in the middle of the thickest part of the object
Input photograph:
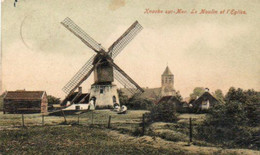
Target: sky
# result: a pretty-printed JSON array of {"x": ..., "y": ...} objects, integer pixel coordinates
[{"x": 216, "y": 51}]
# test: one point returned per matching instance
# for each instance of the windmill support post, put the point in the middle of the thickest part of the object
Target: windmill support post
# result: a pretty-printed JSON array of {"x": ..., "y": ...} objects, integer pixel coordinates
[{"x": 109, "y": 121}]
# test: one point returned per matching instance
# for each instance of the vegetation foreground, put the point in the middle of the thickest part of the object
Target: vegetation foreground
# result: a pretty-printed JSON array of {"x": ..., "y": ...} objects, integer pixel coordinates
[
  {"x": 90, "y": 140},
  {"x": 71, "y": 140}
]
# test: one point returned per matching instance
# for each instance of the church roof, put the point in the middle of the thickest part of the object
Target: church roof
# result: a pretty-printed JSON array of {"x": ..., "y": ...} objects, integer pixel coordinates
[
  {"x": 149, "y": 93},
  {"x": 167, "y": 71}
]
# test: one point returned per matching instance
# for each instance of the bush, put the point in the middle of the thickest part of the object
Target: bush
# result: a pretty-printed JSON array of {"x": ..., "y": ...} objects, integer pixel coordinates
[
  {"x": 1, "y": 104},
  {"x": 250, "y": 99},
  {"x": 227, "y": 124},
  {"x": 138, "y": 103},
  {"x": 163, "y": 112},
  {"x": 234, "y": 123},
  {"x": 53, "y": 100},
  {"x": 104, "y": 107}
]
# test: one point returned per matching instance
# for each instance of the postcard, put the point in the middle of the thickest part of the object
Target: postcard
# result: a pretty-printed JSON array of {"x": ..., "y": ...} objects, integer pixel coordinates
[{"x": 130, "y": 77}]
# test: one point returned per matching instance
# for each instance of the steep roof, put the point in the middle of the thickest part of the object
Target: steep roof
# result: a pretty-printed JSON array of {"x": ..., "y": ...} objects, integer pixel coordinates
[
  {"x": 82, "y": 98},
  {"x": 150, "y": 93},
  {"x": 171, "y": 100},
  {"x": 167, "y": 71},
  {"x": 24, "y": 95},
  {"x": 205, "y": 96},
  {"x": 168, "y": 99}
]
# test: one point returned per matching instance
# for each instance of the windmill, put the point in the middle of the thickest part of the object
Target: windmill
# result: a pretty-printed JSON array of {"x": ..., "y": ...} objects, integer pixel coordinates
[{"x": 105, "y": 70}]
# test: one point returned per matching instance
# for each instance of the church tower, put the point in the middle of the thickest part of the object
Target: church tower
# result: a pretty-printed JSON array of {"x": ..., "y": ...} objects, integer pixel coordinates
[{"x": 167, "y": 88}]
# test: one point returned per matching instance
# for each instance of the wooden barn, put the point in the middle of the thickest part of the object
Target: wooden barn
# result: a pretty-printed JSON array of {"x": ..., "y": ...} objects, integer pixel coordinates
[{"x": 22, "y": 101}]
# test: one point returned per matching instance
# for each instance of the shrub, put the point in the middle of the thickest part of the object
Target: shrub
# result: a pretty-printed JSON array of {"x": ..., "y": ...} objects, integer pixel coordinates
[
  {"x": 138, "y": 103},
  {"x": 227, "y": 124},
  {"x": 163, "y": 112},
  {"x": 53, "y": 100},
  {"x": 104, "y": 107}
]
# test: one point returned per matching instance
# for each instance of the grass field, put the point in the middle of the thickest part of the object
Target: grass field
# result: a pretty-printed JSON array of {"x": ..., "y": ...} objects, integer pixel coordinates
[
  {"x": 99, "y": 117},
  {"x": 71, "y": 140},
  {"x": 54, "y": 137}
]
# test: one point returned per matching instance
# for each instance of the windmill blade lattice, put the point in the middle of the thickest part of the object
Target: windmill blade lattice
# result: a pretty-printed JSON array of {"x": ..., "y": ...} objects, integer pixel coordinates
[
  {"x": 126, "y": 83},
  {"x": 82, "y": 35},
  {"x": 77, "y": 78},
  {"x": 125, "y": 38},
  {"x": 125, "y": 80}
]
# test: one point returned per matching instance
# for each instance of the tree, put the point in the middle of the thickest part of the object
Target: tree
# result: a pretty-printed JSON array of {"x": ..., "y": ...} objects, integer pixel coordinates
[
  {"x": 123, "y": 99},
  {"x": 178, "y": 96},
  {"x": 234, "y": 94},
  {"x": 234, "y": 122},
  {"x": 198, "y": 91},
  {"x": 226, "y": 124},
  {"x": 138, "y": 103},
  {"x": 2, "y": 101},
  {"x": 218, "y": 94},
  {"x": 163, "y": 112},
  {"x": 250, "y": 99},
  {"x": 53, "y": 100}
]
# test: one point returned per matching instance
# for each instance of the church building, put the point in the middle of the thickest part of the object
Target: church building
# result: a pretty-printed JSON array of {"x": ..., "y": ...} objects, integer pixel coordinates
[{"x": 167, "y": 82}]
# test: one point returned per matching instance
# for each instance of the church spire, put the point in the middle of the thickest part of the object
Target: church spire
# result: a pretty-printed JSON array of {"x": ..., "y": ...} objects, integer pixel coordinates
[
  {"x": 167, "y": 88},
  {"x": 167, "y": 71}
]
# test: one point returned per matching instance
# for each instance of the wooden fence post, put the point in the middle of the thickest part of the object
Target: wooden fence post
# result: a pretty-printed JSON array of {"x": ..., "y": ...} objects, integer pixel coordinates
[
  {"x": 78, "y": 119},
  {"x": 109, "y": 121},
  {"x": 92, "y": 118},
  {"x": 190, "y": 131},
  {"x": 143, "y": 125},
  {"x": 22, "y": 120},
  {"x": 42, "y": 119}
]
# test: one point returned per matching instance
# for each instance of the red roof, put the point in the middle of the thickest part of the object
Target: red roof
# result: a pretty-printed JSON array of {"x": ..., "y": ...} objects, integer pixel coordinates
[{"x": 24, "y": 95}]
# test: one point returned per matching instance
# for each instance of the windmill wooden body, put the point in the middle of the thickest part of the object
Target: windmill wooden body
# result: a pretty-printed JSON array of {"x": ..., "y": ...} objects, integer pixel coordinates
[{"x": 103, "y": 90}]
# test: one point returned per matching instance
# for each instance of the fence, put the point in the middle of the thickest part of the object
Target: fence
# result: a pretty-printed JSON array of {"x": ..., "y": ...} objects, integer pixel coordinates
[
  {"x": 134, "y": 122},
  {"x": 104, "y": 118}
]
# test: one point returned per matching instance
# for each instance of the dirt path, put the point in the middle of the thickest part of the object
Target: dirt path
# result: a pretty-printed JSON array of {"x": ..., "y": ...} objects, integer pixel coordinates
[{"x": 161, "y": 143}]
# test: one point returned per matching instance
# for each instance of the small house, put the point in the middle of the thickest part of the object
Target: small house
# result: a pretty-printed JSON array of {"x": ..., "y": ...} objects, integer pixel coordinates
[
  {"x": 76, "y": 98},
  {"x": 204, "y": 102},
  {"x": 22, "y": 101}
]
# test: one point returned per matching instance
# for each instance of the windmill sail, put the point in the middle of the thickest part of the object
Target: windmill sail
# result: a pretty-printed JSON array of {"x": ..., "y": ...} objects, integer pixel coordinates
[
  {"x": 82, "y": 35},
  {"x": 125, "y": 38},
  {"x": 80, "y": 76},
  {"x": 113, "y": 51},
  {"x": 126, "y": 81}
]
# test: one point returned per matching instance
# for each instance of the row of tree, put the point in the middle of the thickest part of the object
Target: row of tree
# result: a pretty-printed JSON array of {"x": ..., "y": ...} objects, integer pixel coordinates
[{"x": 236, "y": 122}]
